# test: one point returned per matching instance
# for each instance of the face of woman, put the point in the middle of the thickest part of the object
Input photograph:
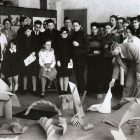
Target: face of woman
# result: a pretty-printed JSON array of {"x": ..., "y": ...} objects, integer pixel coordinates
[
  {"x": 28, "y": 32},
  {"x": 64, "y": 34},
  {"x": 76, "y": 26},
  {"x": 7, "y": 25},
  {"x": 113, "y": 21},
  {"x": 47, "y": 45},
  {"x": 128, "y": 33},
  {"x": 12, "y": 46}
]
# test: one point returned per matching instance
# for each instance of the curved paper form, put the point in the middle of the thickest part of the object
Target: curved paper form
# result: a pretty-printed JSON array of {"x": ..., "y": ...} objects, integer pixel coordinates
[
  {"x": 129, "y": 111},
  {"x": 53, "y": 131},
  {"x": 46, "y": 103},
  {"x": 104, "y": 107}
]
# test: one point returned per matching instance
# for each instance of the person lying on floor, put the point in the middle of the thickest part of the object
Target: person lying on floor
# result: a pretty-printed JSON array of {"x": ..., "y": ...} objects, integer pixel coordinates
[{"x": 127, "y": 56}]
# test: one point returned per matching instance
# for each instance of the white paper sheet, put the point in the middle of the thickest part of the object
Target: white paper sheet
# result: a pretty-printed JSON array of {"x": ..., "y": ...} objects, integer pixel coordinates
[
  {"x": 104, "y": 107},
  {"x": 29, "y": 60}
]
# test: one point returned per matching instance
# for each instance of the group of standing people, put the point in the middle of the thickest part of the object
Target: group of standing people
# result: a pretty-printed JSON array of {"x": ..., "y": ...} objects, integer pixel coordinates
[
  {"x": 59, "y": 53},
  {"x": 56, "y": 53}
]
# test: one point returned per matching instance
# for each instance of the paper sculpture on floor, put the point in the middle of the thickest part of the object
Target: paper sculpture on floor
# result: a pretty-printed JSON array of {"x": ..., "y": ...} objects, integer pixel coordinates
[
  {"x": 76, "y": 99},
  {"x": 12, "y": 128},
  {"x": 129, "y": 111},
  {"x": 6, "y": 100},
  {"x": 67, "y": 101},
  {"x": 118, "y": 134},
  {"x": 53, "y": 130},
  {"x": 45, "y": 103},
  {"x": 104, "y": 107}
]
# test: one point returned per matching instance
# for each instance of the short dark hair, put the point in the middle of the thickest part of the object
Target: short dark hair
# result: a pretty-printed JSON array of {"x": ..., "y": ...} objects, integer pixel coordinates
[
  {"x": 14, "y": 41},
  {"x": 7, "y": 19},
  {"x": 67, "y": 18},
  {"x": 76, "y": 21},
  {"x": 114, "y": 16},
  {"x": 46, "y": 40},
  {"x": 94, "y": 24},
  {"x": 50, "y": 21},
  {"x": 63, "y": 29},
  {"x": 135, "y": 18},
  {"x": 131, "y": 29},
  {"x": 45, "y": 21},
  {"x": 108, "y": 24},
  {"x": 26, "y": 27},
  {"x": 121, "y": 18},
  {"x": 38, "y": 22},
  {"x": 22, "y": 18}
]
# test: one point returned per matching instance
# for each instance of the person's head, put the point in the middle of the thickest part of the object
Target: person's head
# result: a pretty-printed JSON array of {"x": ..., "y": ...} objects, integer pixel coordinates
[
  {"x": 47, "y": 44},
  {"x": 129, "y": 32},
  {"x": 67, "y": 22},
  {"x": 113, "y": 20},
  {"x": 94, "y": 28},
  {"x": 50, "y": 24},
  {"x": 23, "y": 21},
  {"x": 13, "y": 44},
  {"x": 108, "y": 28},
  {"x": 126, "y": 24},
  {"x": 37, "y": 25},
  {"x": 115, "y": 48},
  {"x": 120, "y": 22},
  {"x": 76, "y": 25},
  {"x": 45, "y": 24},
  {"x": 64, "y": 32},
  {"x": 27, "y": 30},
  {"x": 7, "y": 23},
  {"x": 135, "y": 23}
]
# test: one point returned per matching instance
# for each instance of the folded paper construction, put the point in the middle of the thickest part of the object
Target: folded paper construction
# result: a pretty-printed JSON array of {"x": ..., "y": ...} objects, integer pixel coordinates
[
  {"x": 129, "y": 111},
  {"x": 76, "y": 99},
  {"x": 104, "y": 107},
  {"x": 7, "y": 100},
  {"x": 53, "y": 130}
]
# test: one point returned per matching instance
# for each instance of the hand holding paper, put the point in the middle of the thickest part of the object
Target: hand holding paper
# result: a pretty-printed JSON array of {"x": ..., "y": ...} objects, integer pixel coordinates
[{"x": 31, "y": 58}]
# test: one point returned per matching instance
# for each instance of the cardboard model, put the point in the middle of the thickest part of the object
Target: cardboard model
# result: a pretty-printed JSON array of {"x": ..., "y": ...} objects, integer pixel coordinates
[
  {"x": 6, "y": 100},
  {"x": 67, "y": 101},
  {"x": 129, "y": 111},
  {"x": 118, "y": 134},
  {"x": 76, "y": 99},
  {"x": 53, "y": 131},
  {"x": 104, "y": 107}
]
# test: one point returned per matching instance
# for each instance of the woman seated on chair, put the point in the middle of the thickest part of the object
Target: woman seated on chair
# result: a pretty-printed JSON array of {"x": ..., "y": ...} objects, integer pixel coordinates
[{"x": 47, "y": 63}]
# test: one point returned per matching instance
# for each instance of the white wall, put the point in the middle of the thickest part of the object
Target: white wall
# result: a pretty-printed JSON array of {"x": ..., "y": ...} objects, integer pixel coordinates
[
  {"x": 29, "y": 3},
  {"x": 98, "y": 10}
]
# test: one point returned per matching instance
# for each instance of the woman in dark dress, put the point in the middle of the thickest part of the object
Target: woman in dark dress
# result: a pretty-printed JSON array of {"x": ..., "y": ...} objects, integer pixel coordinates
[
  {"x": 10, "y": 65},
  {"x": 64, "y": 60},
  {"x": 26, "y": 49}
]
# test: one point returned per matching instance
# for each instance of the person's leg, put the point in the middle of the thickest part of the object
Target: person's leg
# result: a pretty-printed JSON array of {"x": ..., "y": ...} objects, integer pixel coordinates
[
  {"x": 61, "y": 83},
  {"x": 43, "y": 85},
  {"x": 129, "y": 83},
  {"x": 10, "y": 79},
  {"x": 25, "y": 81},
  {"x": 66, "y": 80},
  {"x": 16, "y": 82},
  {"x": 34, "y": 83}
]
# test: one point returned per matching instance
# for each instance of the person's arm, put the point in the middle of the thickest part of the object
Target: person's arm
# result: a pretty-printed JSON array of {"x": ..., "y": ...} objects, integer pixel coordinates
[
  {"x": 53, "y": 61},
  {"x": 40, "y": 60}
]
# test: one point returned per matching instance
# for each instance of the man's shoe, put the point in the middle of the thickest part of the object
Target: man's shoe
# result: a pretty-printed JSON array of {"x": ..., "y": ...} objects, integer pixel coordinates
[{"x": 118, "y": 106}]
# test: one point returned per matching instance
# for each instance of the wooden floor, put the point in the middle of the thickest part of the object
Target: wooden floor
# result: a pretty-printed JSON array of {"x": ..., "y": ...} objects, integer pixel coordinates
[{"x": 101, "y": 131}]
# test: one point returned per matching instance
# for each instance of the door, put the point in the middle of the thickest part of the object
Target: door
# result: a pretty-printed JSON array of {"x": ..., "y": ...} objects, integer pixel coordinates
[{"x": 78, "y": 14}]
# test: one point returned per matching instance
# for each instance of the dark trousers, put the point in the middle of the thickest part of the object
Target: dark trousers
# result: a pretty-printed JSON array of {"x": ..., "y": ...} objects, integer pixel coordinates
[{"x": 79, "y": 65}]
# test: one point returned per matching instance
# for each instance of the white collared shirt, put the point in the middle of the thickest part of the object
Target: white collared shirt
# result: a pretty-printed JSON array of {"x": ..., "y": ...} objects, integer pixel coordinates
[{"x": 15, "y": 50}]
